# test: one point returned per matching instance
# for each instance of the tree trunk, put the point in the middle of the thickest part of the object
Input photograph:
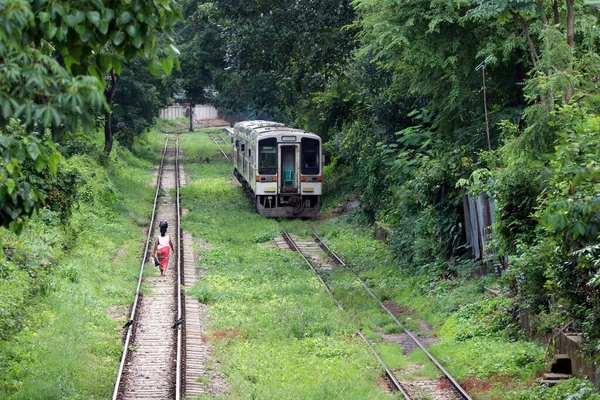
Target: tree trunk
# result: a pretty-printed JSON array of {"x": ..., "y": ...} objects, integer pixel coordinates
[
  {"x": 570, "y": 42},
  {"x": 570, "y": 23},
  {"x": 542, "y": 12},
  {"x": 556, "y": 13},
  {"x": 109, "y": 93},
  {"x": 523, "y": 24}
]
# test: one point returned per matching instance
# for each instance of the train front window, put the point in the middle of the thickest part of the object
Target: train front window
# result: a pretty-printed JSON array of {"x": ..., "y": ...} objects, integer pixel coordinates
[
  {"x": 310, "y": 156},
  {"x": 267, "y": 156}
]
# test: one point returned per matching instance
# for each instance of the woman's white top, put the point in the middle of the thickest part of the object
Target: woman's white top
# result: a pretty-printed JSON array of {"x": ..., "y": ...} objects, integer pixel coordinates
[{"x": 163, "y": 241}]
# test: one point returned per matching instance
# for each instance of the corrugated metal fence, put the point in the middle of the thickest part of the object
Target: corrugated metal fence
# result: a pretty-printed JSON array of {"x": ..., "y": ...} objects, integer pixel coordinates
[
  {"x": 201, "y": 111},
  {"x": 172, "y": 112},
  {"x": 479, "y": 217}
]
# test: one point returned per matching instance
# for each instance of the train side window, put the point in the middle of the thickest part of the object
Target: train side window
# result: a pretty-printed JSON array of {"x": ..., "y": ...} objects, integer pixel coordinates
[
  {"x": 311, "y": 150},
  {"x": 267, "y": 156}
]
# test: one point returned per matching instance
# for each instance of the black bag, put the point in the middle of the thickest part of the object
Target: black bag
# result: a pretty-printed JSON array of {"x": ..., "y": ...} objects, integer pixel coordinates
[{"x": 156, "y": 262}]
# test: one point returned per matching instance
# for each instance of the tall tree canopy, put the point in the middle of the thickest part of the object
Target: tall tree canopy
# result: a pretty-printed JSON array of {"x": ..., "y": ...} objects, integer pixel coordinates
[
  {"x": 53, "y": 57},
  {"x": 264, "y": 58}
]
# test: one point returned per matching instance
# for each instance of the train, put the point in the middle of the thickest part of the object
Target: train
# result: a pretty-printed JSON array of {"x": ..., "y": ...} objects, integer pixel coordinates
[{"x": 281, "y": 168}]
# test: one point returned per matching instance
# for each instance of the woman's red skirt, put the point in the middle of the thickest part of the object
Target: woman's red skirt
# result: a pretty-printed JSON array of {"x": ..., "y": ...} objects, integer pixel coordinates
[{"x": 163, "y": 257}]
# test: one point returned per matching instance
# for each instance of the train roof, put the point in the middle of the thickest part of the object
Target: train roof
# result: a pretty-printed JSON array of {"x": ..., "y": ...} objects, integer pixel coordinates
[
  {"x": 268, "y": 128},
  {"x": 256, "y": 124}
]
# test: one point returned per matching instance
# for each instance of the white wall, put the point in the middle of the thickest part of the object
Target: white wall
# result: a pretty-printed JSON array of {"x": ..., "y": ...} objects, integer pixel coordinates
[
  {"x": 201, "y": 111},
  {"x": 205, "y": 111}
]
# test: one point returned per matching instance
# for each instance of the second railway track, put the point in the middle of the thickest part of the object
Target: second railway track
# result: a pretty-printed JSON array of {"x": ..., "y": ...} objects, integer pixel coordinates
[
  {"x": 310, "y": 251},
  {"x": 218, "y": 140}
]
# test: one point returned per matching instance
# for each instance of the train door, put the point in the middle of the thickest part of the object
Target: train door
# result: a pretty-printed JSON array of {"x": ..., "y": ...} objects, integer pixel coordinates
[
  {"x": 243, "y": 158},
  {"x": 288, "y": 168}
]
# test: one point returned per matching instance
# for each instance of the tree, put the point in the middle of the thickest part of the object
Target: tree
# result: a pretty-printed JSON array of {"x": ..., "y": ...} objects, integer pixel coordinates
[
  {"x": 137, "y": 101},
  {"x": 52, "y": 62},
  {"x": 202, "y": 53},
  {"x": 280, "y": 63}
]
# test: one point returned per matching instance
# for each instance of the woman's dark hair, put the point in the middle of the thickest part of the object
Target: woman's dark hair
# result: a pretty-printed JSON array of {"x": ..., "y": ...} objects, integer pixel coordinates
[{"x": 163, "y": 227}]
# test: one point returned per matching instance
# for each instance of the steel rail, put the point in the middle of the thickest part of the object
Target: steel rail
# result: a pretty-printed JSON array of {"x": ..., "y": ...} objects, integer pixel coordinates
[
  {"x": 137, "y": 291},
  {"x": 454, "y": 383},
  {"x": 228, "y": 144},
  {"x": 219, "y": 147},
  {"x": 388, "y": 372},
  {"x": 179, "y": 275},
  {"x": 176, "y": 131}
]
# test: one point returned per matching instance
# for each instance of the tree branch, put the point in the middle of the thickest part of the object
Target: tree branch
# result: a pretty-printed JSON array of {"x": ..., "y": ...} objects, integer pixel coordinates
[{"x": 523, "y": 24}]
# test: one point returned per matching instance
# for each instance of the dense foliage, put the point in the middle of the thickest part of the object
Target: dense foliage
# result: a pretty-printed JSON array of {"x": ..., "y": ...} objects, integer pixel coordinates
[{"x": 54, "y": 59}]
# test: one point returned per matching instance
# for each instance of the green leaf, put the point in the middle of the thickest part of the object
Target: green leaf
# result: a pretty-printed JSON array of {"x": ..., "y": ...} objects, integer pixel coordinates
[
  {"x": 75, "y": 19},
  {"x": 98, "y": 4},
  {"x": 116, "y": 64},
  {"x": 62, "y": 32},
  {"x": 53, "y": 162},
  {"x": 167, "y": 65},
  {"x": 151, "y": 20},
  {"x": 56, "y": 8},
  {"x": 579, "y": 229},
  {"x": 108, "y": 15},
  {"x": 78, "y": 69},
  {"x": 95, "y": 71},
  {"x": 51, "y": 30},
  {"x": 86, "y": 34},
  {"x": 10, "y": 185},
  {"x": 104, "y": 62},
  {"x": 137, "y": 41},
  {"x": 76, "y": 51},
  {"x": 10, "y": 167},
  {"x": 124, "y": 18},
  {"x": 40, "y": 164},
  {"x": 93, "y": 17},
  {"x": 118, "y": 38},
  {"x": 44, "y": 16},
  {"x": 154, "y": 66},
  {"x": 132, "y": 30},
  {"x": 34, "y": 150},
  {"x": 103, "y": 26}
]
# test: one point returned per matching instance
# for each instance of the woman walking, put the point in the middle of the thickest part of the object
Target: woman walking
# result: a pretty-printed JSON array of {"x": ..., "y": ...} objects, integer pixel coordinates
[{"x": 162, "y": 245}]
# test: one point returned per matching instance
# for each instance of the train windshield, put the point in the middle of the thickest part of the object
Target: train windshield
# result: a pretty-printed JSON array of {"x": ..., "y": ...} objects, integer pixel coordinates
[
  {"x": 310, "y": 156},
  {"x": 267, "y": 156}
]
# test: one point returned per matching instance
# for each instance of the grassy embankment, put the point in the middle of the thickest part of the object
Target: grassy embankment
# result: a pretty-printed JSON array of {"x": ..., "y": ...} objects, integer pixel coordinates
[
  {"x": 277, "y": 334},
  {"x": 66, "y": 285}
]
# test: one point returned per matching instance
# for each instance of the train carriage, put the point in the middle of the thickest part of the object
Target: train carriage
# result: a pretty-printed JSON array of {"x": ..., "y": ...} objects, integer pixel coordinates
[{"x": 280, "y": 167}]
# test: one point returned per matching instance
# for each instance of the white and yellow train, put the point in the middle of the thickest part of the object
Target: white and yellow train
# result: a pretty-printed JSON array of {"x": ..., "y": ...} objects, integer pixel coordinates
[{"x": 280, "y": 167}]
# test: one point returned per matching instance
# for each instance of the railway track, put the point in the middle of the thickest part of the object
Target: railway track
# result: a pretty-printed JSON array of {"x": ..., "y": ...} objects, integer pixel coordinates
[
  {"x": 152, "y": 360},
  {"x": 216, "y": 139},
  {"x": 310, "y": 253}
]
